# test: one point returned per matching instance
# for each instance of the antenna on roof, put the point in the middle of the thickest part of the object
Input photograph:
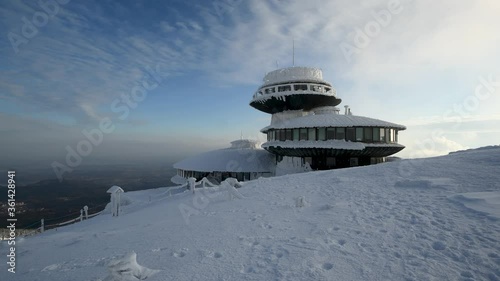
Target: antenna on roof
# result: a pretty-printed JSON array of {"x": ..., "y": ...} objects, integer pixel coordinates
[
  {"x": 241, "y": 135},
  {"x": 293, "y": 52}
]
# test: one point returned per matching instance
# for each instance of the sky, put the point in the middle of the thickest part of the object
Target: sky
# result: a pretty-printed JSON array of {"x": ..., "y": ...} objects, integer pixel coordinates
[{"x": 168, "y": 79}]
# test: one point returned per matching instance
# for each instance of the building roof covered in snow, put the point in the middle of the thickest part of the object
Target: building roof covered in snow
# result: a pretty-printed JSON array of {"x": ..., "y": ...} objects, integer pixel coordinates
[
  {"x": 293, "y": 74},
  {"x": 243, "y": 156},
  {"x": 115, "y": 188},
  {"x": 331, "y": 120}
]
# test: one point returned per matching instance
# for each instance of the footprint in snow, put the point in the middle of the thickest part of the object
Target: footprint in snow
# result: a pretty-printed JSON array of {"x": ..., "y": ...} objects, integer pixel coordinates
[
  {"x": 180, "y": 254},
  {"x": 438, "y": 246},
  {"x": 327, "y": 266}
]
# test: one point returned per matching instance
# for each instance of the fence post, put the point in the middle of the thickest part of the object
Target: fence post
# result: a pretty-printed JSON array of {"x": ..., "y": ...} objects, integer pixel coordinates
[
  {"x": 86, "y": 210},
  {"x": 42, "y": 227},
  {"x": 192, "y": 183}
]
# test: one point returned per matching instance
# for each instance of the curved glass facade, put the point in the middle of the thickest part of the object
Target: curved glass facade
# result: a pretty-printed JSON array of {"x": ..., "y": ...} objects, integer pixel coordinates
[{"x": 355, "y": 134}]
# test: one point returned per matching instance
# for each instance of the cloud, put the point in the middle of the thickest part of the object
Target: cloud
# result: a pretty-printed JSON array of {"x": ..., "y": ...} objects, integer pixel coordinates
[
  {"x": 165, "y": 26},
  {"x": 451, "y": 121},
  {"x": 436, "y": 146},
  {"x": 74, "y": 61}
]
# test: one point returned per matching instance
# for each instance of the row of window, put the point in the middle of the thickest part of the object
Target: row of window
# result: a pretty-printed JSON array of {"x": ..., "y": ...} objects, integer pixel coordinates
[
  {"x": 296, "y": 87},
  {"x": 360, "y": 134}
]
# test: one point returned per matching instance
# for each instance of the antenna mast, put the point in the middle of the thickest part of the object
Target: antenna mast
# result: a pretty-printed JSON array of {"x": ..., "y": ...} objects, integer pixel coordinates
[{"x": 293, "y": 52}]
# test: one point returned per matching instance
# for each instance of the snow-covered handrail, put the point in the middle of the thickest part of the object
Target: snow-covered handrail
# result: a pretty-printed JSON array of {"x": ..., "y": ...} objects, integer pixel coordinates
[
  {"x": 206, "y": 182},
  {"x": 169, "y": 190},
  {"x": 93, "y": 215},
  {"x": 63, "y": 223},
  {"x": 230, "y": 185}
]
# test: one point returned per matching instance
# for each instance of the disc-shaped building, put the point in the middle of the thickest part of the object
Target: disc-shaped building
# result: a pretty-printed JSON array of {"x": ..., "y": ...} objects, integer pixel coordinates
[
  {"x": 306, "y": 127},
  {"x": 306, "y": 123},
  {"x": 244, "y": 160}
]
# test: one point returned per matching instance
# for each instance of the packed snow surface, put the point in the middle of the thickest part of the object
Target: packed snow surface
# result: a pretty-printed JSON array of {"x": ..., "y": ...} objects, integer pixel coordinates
[{"x": 404, "y": 220}]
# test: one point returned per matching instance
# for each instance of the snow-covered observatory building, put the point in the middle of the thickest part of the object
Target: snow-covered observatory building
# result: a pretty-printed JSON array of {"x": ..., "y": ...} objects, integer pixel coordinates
[
  {"x": 306, "y": 123},
  {"x": 244, "y": 160}
]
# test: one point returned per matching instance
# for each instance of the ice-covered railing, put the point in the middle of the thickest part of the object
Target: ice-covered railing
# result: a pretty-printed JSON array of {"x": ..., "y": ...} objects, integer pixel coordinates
[
  {"x": 228, "y": 185},
  {"x": 28, "y": 230}
]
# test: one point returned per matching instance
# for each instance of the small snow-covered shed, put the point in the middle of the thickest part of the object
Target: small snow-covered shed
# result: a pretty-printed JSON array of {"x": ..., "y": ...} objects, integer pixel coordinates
[
  {"x": 244, "y": 160},
  {"x": 115, "y": 192}
]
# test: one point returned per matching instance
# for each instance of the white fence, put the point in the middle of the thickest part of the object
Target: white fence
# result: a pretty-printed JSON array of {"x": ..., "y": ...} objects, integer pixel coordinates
[{"x": 230, "y": 184}]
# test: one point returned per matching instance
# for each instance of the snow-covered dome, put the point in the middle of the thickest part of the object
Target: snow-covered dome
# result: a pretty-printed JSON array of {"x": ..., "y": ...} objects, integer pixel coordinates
[
  {"x": 245, "y": 143},
  {"x": 296, "y": 73},
  {"x": 243, "y": 156}
]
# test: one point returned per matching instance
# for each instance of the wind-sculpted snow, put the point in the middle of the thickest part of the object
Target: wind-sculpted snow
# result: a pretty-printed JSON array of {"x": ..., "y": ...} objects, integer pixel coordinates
[
  {"x": 126, "y": 268},
  {"x": 365, "y": 223}
]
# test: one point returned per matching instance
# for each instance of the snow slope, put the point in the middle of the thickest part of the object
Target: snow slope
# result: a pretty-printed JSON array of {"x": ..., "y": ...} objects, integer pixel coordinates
[{"x": 405, "y": 220}]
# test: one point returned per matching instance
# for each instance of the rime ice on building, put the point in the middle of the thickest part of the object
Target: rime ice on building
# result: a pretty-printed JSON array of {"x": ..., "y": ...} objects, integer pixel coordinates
[
  {"x": 306, "y": 129},
  {"x": 306, "y": 123},
  {"x": 244, "y": 160}
]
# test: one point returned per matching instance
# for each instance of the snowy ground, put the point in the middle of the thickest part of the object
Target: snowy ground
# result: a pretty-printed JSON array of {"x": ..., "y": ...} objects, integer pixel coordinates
[{"x": 430, "y": 219}]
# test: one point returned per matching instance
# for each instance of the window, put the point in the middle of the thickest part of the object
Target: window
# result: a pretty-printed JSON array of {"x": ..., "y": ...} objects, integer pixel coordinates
[
  {"x": 282, "y": 135},
  {"x": 328, "y": 89},
  {"x": 312, "y": 134},
  {"x": 353, "y": 162},
  {"x": 330, "y": 161},
  {"x": 316, "y": 88},
  {"x": 268, "y": 136},
  {"x": 359, "y": 134},
  {"x": 269, "y": 90},
  {"x": 321, "y": 134},
  {"x": 396, "y": 136},
  {"x": 382, "y": 134},
  {"x": 285, "y": 88},
  {"x": 388, "y": 137},
  {"x": 376, "y": 134},
  {"x": 288, "y": 134},
  {"x": 303, "y": 134},
  {"x": 296, "y": 134},
  {"x": 351, "y": 134},
  {"x": 368, "y": 135},
  {"x": 330, "y": 133},
  {"x": 300, "y": 87},
  {"x": 340, "y": 134}
]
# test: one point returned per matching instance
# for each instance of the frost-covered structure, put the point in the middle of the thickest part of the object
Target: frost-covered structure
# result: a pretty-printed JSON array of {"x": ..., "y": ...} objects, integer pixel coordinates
[
  {"x": 306, "y": 123},
  {"x": 244, "y": 160}
]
